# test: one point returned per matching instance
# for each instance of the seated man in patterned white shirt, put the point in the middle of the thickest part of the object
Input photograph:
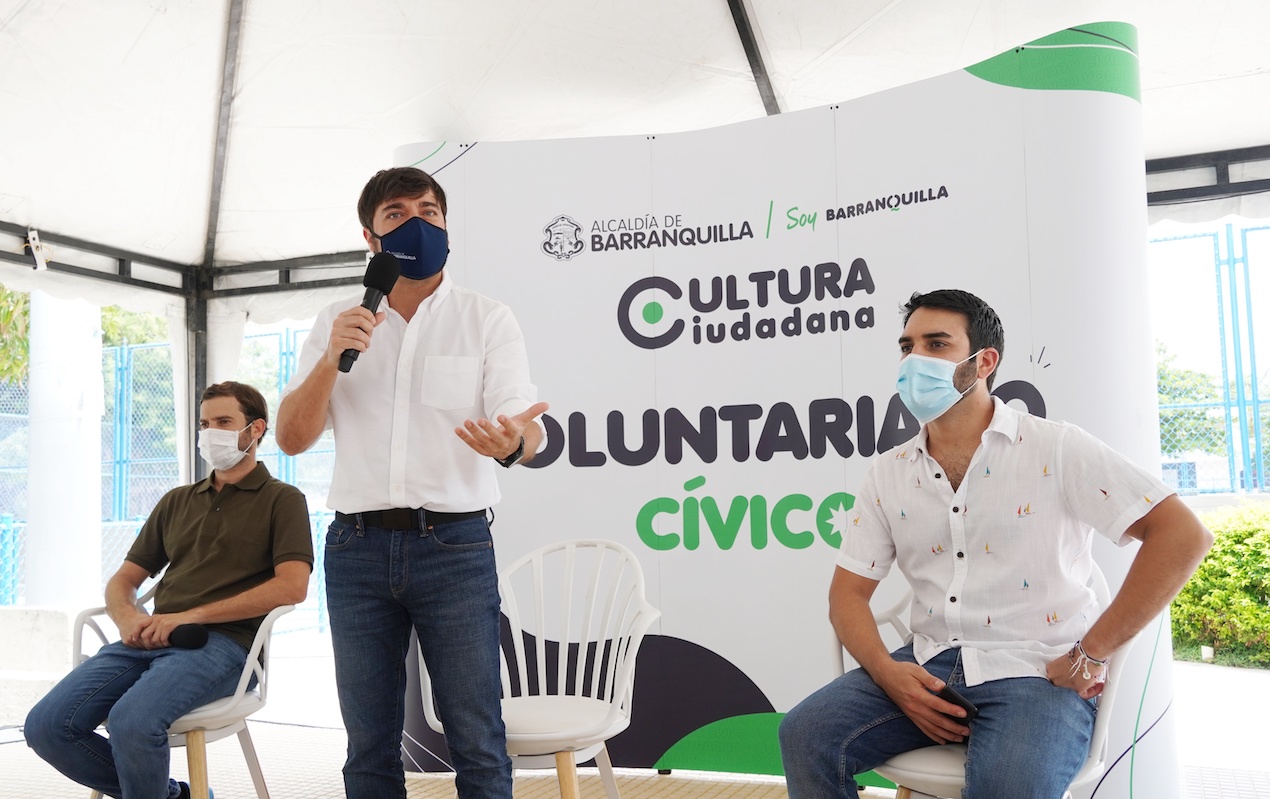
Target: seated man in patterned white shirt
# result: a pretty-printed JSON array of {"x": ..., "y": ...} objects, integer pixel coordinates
[{"x": 1007, "y": 618}]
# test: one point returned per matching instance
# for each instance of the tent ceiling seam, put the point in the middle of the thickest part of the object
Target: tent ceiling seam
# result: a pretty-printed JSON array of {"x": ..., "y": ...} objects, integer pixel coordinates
[
  {"x": 233, "y": 34},
  {"x": 749, "y": 41}
]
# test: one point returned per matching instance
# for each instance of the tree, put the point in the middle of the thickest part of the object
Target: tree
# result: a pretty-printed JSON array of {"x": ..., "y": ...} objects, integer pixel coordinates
[
  {"x": 1188, "y": 429},
  {"x": 120, "y": 327},
  {"x": 15, "y": 311}
]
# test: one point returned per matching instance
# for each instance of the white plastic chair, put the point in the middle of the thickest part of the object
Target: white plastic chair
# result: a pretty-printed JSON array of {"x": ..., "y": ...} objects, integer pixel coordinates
[
  {"x": 577, "y": 614},
  {"x": 940, "y": 771},
  {"x": 212, "y": 721}
]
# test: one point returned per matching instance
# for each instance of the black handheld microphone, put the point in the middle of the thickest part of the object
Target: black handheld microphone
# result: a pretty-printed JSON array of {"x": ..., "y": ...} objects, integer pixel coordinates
[
  {"x": 381, "y": 276},
  {"x": 188, "y": 636}
]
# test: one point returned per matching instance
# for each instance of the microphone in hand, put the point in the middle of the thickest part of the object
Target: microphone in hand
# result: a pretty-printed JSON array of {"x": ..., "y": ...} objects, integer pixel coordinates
[
  {"x": 188, "y": 636},
  {"x": 381, "y": 276}
]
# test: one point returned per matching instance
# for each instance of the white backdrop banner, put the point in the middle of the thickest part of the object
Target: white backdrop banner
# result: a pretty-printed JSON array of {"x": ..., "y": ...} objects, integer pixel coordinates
[{"x": 713, "y": 317}]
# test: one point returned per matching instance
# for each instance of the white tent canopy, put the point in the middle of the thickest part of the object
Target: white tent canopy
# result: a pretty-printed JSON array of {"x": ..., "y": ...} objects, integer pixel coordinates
[{"x": 111, "y": 130}]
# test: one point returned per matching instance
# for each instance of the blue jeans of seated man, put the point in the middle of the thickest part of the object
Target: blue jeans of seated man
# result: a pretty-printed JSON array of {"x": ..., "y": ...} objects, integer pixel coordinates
[
  {"x": 1029, "y": 739},
  {"x": 142, "y": 691},
  {"x": 442, "y": 582}
]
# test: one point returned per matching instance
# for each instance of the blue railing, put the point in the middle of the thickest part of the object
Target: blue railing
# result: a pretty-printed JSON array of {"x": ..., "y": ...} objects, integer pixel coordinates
[
  {"x": 10, "y": 564},
  {"x": 1234, "y": 412}
]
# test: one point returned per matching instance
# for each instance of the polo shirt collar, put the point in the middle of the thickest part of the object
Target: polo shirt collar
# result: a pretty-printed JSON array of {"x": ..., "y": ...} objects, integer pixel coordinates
[{"x": 256, "y": 478}]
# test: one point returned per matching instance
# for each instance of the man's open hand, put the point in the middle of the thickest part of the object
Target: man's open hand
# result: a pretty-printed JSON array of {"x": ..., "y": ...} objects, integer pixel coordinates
[{"x": 498, "y": 440}]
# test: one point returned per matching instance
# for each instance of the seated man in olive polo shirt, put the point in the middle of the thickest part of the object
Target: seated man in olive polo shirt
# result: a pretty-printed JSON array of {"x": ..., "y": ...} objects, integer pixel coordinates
[{"x": 236, "y": 545}]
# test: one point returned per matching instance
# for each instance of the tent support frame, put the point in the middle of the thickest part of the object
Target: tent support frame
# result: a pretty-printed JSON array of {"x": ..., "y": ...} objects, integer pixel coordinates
[
  {"x": 197, "y": 282},
  {"x": 1221, "y": 186}
]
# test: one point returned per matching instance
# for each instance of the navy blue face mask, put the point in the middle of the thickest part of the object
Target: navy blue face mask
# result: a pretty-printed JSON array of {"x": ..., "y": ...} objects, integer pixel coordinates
[{"x": 421, "y": 247}]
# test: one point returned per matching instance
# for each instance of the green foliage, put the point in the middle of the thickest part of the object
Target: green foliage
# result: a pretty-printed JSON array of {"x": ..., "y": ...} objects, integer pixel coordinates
[
  {"x": 1226, "y": 604},
  {"x": 1235, "y": 658},
  {"x": 1185, "y": 430},
  {"x": 15, "y": 311},
  {"x": 118, "y": 327},
  {"x": 125, "y": 327}
]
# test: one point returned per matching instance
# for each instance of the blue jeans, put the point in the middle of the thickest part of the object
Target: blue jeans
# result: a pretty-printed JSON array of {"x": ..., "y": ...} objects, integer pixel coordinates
[
  {"x": 142, "y": 691},
  {"x": 442, "y": 582},
  {"x": 1029, "y": 739}
]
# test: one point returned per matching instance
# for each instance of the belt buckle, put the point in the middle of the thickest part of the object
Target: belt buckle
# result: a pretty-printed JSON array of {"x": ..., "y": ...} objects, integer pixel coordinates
[{"x": 401, "y": 519}]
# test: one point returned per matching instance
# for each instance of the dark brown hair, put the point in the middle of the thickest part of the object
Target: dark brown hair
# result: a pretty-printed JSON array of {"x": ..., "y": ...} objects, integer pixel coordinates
[
  {"x": 389, "y": 184},
  {"x": 983, "y": 326},
  {"x": 250, "y": 401}
]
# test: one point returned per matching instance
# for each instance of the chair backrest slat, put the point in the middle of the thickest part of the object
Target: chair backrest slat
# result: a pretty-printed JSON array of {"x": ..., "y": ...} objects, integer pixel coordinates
[
  {"x": 511, "y": 609},
  {"x": 581, "y": 602},
  {"x": 589, "y": 681}
]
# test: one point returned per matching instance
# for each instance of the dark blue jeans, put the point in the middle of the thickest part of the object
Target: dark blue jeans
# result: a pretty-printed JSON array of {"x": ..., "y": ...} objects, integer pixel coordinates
[
  {"x": 442, "y": 582},
  {"x": 1029, "y": 739},
  {"x": 143, "y": 691}
]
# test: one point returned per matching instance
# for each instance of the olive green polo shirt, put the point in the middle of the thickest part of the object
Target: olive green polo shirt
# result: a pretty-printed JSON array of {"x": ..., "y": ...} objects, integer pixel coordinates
[{"x": 217, "y": 544}]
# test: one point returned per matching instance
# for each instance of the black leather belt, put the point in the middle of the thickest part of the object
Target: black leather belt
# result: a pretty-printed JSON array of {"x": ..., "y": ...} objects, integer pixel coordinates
[{"x": 406, "y": 518}]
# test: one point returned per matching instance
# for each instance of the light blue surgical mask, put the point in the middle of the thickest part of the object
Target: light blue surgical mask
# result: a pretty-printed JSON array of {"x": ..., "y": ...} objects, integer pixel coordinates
[
  {"x": 420, "y": 246},
  {"x": 926, "y": 385}
]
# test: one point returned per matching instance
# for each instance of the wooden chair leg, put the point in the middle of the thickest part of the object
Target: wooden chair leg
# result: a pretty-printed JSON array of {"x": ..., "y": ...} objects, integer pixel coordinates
[
  {"x": 567, "y": 774},
  {"x": 196, "y": 756},
  {"x": 902, "y": 793}
]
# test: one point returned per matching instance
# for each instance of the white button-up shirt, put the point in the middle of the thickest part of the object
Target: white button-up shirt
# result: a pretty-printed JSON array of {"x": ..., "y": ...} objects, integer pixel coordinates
[
  {"x": 998, "y": 567},
  {"x": 461, "y": 356}
]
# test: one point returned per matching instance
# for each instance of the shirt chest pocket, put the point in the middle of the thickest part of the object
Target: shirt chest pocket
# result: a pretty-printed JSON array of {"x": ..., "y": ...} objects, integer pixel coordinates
[{"x": 449, "y": 382}]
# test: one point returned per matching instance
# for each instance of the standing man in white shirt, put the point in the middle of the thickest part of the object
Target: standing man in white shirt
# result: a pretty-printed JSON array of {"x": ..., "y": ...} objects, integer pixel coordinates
[
  {"x": 416, "y": 454},
  {"x": 989, "y": 513}
]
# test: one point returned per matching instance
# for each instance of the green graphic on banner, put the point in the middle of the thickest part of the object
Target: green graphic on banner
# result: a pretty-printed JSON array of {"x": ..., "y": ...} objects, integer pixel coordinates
[
  {"x": 740, "y": 745},
  {"x": 1100, "y": 57}
]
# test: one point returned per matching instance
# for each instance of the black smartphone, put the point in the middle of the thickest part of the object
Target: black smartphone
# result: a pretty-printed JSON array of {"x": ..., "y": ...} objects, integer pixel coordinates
[{"x": 949, "y": 695}]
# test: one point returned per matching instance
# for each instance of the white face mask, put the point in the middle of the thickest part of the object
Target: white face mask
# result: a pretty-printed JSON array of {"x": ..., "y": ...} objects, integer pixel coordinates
[{"x": 220, "y": 448}]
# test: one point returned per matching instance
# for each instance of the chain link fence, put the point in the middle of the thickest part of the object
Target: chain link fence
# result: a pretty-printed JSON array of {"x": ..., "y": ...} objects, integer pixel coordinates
[
  {"x": 1216, "y": 464},
  {"x": 1209, "y": 288},
  {"x": 139, "y": 457},
  {"x": 14, "y": 409}
]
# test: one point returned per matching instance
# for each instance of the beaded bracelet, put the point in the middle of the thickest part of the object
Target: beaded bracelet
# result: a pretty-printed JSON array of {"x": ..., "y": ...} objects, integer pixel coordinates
[{"x": 1081, "y": 661}]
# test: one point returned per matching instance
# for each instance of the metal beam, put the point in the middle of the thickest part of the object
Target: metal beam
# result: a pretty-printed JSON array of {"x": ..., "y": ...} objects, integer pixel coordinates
[
  {"x": 73, "y": 243},
  {"x": 1219, "y": 191},
  {"x": 745, "y": 31},
  {"x": 1220, "y": 162},
  {"x": 109, "y": 277},
  {"x": 196, "y": 344},
  {"x": 229, "y": 69},
  {"x": 274, "y": 288},
  {"x": 1198, "y": 160},
  {"x": 200, "y": 287},
  {"x": 332, "y": 260}
]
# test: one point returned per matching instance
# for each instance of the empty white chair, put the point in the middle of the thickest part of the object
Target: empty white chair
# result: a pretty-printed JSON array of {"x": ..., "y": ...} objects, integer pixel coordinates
[{"x": 577, "y": 614}]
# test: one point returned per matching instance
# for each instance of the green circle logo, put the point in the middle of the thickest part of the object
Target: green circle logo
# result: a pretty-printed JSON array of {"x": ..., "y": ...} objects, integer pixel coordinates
[{"x": 653, "y": 313}]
